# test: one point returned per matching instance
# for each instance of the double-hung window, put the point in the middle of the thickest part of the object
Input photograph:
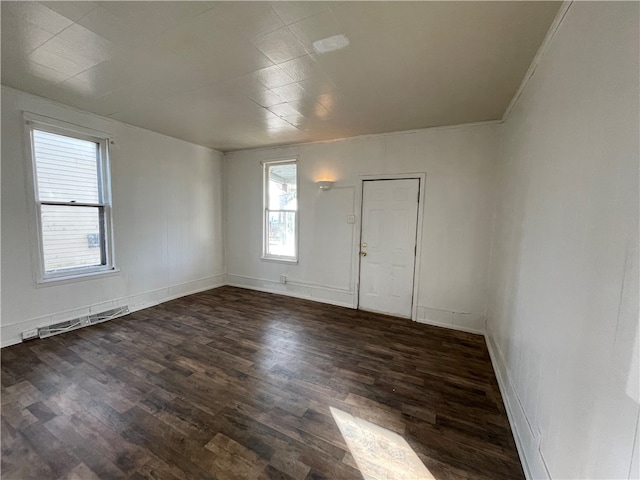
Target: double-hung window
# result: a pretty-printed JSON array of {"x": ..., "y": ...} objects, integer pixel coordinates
[
  {"x": 72, "y": 201},
  {"x": 280, "y": 211}
]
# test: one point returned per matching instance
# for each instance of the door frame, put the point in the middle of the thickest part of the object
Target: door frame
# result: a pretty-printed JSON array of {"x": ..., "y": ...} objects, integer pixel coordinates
[{"x": 422, "y": 177}]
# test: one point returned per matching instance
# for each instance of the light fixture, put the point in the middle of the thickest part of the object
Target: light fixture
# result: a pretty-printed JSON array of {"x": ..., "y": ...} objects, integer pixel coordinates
[
  {"x": 324, "y": 185},
  {"x": 330, "y": 44}
]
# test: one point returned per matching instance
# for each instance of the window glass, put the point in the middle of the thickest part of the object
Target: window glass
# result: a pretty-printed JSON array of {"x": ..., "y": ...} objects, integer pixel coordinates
[
  {"x": 282, "y": 187},
  {"x": 71, "y": 202},
  {"x": 66, "y": 168},
  {"x": 282, "y": 233},
  {"x": 70, "y": 237},
  {"x": 281, "y": 205}
]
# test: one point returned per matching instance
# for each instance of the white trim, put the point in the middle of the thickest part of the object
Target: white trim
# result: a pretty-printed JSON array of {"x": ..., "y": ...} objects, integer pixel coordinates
[
  {"x": 42, "y": 123},
  {"x": 11, "y": 331},
  {"x": 60, "y": 126},
  {"x": 355, "y": 246},
  {"x": 544, "y": 46},
  {"x": 527, "y": 442},
  {"x": 332, "y": 295},
  {"x": 276, "y": 259},
  {"x": 94, "y": 274},
  {"x": 422, "y": 177},
  {"x": 300, "y": 283},
  {"x": 451, "y": 326},
  {"x": 313, "y": 293},
  {"x": 265, "y": 208}
]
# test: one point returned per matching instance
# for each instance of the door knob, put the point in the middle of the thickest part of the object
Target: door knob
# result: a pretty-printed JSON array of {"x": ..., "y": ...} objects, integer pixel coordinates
[
  {"x": 364, "y": 244},
  {"x": 364, "y": 254}
]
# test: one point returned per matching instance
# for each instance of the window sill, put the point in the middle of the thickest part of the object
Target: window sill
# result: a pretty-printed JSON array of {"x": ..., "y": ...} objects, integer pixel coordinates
[
  {"x": 279, "y": 259},
  {"x": 49, "y": 282}
]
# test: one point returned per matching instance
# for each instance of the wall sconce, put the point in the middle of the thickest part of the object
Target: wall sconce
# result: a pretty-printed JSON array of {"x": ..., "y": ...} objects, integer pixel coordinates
[{"x": 324, "y": 185}]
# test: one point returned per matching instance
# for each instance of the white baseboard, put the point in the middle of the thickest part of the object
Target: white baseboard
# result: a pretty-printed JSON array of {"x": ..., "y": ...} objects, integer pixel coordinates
[
  {"x": 11, "y": 334},
  {"x": 317, "y": 293},
  {"x": 527, "y": 442},
  {"x": 451, "y": 326},
  {"x": 463, "y": 321}
]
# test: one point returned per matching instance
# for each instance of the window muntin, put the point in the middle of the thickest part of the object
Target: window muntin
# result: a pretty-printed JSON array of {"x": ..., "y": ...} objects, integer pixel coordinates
[
  {"x": 281, "y": 210},
  {"x": 72, "y": 202}
]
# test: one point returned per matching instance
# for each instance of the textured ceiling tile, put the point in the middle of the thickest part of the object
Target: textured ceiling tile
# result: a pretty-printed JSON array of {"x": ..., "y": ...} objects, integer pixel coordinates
[
  {"x": 206, "y": 97},
  {"x": 290, "y": 93},
  {"x": 14, "y": 68},
  {"x": 295, "y": 120},
  {"x": 277, "y": 123},
  {"x": 315, "y": 28},
  {"x": 291, "y": 12},
  {"x": 156, "y": 16},
  {"x": 231, "y": 75},
  {"x": 229, "y": 63},
  {"x": 120, "y": 100},
  {"x": 283, "y": 110},
  {"x": 73, "y": 51},
  {"x": 72, "y": 10},
  {"x": 318, "y": 85},
  {"x": 310, "y": 107},
  {"x": 301, "y": 68},
  {"x": 36, "y": 14},
  {"x": 272, "y": 77},
  {"x": 375, "y": 17},
  {"x": 108, "y": 25},
  {"x": 247, "y": 20},
  {"x": 280, "y": 46},
  {"x": 21, "y": 38},
  {"x": 63, "y": 56},
  {"x": 86, "y": 43},
  {"x": 109, "y": 75},
  {"x": 266, "y": 98}
]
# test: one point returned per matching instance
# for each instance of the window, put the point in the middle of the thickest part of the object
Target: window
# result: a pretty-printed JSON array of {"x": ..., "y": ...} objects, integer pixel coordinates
[
  {"x": 281, "y": 210},
  {"x": 72, "y": 202}
]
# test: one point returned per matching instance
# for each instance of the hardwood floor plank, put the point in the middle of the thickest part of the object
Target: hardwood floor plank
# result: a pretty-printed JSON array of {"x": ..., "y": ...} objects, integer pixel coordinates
[{"x": 237, "y": 384}]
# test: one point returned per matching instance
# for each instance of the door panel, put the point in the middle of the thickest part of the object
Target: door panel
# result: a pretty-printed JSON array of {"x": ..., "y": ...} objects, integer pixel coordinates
[{"x": 388, "y": 238}]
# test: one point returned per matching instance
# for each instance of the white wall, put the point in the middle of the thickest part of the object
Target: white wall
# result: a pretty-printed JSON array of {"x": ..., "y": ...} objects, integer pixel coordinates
[
  {"x": 563, "y": 313},
  {"x": 167, "y": 212},
  {"x": 460, "y": 166}
]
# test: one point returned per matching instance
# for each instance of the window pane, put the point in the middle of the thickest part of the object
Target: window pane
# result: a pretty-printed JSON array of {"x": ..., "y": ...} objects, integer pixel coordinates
[
  {"x": 282, "y": 187},
  {"x": 71, "y": 237},
  {"x": 281, "y": 229},
  {"x": 67, "y": 168}
]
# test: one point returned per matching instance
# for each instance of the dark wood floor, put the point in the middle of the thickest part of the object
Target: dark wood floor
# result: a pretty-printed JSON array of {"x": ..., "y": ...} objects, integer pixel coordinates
[{"x": 232, "y": 383}]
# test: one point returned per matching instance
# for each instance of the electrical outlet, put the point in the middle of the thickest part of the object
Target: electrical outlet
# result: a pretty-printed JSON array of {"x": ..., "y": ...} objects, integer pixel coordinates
[
  {"x": 29, "y": 334},
  {"x": 283, "y": 279},
  {"x": 351, "y": 219}
]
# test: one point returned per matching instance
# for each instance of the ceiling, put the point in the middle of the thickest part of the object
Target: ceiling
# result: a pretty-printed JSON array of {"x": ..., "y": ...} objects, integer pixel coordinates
[{"x": 234, "y": 75}]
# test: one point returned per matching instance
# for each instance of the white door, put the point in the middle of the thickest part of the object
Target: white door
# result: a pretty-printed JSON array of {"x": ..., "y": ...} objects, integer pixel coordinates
[{"x": 388, "y": 245}]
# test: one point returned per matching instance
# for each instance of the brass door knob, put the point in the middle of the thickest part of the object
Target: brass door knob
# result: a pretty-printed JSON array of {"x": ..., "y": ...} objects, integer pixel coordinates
[{"x": 364, "y": 254}]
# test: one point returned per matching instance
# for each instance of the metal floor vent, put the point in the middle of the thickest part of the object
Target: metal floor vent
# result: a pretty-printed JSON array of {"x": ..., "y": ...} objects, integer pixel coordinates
[{"x": 80, "y": 322}]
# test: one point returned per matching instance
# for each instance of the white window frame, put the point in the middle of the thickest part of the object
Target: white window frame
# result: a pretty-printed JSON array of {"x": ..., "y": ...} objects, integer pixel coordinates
[
  {"x": 45, "y": 124},
  {"x": 265, "y": 211}
]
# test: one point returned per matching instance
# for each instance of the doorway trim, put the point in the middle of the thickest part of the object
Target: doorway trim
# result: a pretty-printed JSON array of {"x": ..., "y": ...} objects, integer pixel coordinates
[{"x": 358, "y": 236}]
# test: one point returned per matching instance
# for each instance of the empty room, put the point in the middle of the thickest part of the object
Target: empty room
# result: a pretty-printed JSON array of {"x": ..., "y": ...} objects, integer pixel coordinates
[{"x": 320, "y": 240}]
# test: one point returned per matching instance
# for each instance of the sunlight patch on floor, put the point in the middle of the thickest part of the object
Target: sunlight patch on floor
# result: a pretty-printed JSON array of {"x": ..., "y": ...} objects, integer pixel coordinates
[{"x": 380, "y": 453}]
